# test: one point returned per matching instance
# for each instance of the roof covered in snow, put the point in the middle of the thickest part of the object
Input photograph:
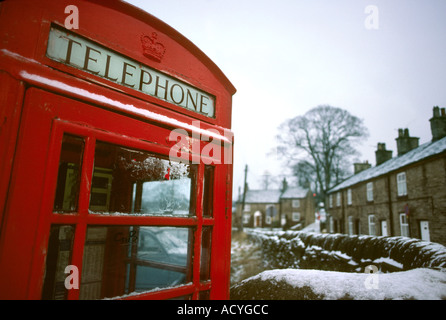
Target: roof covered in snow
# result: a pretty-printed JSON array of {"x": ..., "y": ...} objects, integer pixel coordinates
[
  {"x": 294, "y": 193},
  {"x": 422, "y": 152},
  {"x": 262, "y": 196},
  {"x": 274, "y": 196}
]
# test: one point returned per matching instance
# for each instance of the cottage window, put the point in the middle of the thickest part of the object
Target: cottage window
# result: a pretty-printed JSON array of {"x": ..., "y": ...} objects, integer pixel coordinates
[
  {"x": 370, "y": 191},
  {"x": 372, "y": 225},
  {"x": 247, "y": 208},
  {"x": 331, "y": 224},
  {"x": 296, "y": 216},
  {"x": 295, "y": 203},
  {"x": 338, "y": 199},
  {"x": 404, "y": 224},
  {"x": 401, "y": 184},
  {"x": 349, "y": 196},
  {"x": 350, "y": 225},
  {"x": 330, "y": 201}
]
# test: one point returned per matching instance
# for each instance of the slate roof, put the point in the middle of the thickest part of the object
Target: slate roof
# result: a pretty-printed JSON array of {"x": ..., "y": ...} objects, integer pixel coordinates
[{"x": 422, "y": 152}]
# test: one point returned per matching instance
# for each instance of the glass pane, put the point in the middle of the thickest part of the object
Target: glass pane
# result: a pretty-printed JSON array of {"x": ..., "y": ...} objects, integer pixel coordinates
[
  {"x": 205, "y": 263},
  {"x": 120, "y": 260},
  {"x": 60, "y": 246},
  {"x": 68, "y": 178},
  {"x": 137, "y": 182},
  {"x": 208, "y": 191}
]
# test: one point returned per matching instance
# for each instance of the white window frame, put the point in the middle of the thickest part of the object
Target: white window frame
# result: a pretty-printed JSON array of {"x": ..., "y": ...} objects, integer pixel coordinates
[
  {"x": 372, "y": 225},
  {"x": 350, "y": 225},
  {"x": 401, "y": 184},
  {"x": 331, "y": 224},
  {"x": 349, "y": 196},
  {"x": 246, "y": 218},
  {"x": 338, "y": 199},
  {"x": 247, "y": 208},
  {"x": 295, "y": 216},
  {"x": 295, "y": 203},
  {"x": 330, "y": 201},
  {"x": 404, "y": 225},
  {"x": 370, "y": 191}
]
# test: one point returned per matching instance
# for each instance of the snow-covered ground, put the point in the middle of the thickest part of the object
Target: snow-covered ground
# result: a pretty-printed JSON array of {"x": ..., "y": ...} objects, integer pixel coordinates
[{"x": 418, "y": 284}]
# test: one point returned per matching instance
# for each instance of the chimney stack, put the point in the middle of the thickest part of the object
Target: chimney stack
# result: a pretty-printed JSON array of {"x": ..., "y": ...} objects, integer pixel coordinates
[
  {"x": 361, "y": 166},
  {"x": 438, "y": 124},
  {"x": 404, "y": 142},
  {"x": 381, "y": 154}
]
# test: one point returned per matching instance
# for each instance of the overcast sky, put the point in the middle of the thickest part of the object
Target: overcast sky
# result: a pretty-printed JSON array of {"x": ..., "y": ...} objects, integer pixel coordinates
[{"x": 288, "y": 56}]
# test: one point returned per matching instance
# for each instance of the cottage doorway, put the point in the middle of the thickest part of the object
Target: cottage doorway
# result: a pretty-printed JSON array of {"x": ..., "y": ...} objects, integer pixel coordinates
[
  {"x": 257, "y": 219},
  {"x": 424, "y": 229}
]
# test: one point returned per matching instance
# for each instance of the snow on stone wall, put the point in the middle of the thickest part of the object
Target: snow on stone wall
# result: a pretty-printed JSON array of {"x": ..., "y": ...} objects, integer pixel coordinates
[
  {"x": 340, "y": 252},
  {"x": 406, "y": 268}
]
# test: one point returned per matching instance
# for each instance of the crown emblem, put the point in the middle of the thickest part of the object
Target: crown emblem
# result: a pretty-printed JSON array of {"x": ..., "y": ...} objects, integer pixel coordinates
[{"x": 151, "y": 48}]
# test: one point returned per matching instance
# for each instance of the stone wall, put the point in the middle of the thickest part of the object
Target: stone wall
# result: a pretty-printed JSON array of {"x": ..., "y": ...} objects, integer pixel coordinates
[{"x": 340, "y": 252}]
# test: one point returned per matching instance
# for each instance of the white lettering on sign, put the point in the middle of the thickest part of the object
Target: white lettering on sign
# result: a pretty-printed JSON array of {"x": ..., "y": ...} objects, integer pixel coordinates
[{"x": 84, "y": 54}]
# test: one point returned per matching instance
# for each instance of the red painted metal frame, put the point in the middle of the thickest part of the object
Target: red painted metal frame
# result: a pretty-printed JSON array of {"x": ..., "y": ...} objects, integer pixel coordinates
[{"x": 34, "y": 120}]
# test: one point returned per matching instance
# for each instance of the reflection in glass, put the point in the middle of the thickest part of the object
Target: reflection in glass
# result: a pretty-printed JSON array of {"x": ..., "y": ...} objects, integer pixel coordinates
[
  {"x": 68, "y": 178},
  {"x": 205, "y": 263},
  {"x": 131, "y": 181},
  {"x": 208, "y": 191},
  {"x": 60, "y": 245},
  {"x": 119, "y": 260}
]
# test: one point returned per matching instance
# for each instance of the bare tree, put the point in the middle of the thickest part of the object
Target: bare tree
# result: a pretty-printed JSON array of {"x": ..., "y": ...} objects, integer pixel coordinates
[
  {"x": 318, "y": 145},
  {"x": 267, "y": 180}
]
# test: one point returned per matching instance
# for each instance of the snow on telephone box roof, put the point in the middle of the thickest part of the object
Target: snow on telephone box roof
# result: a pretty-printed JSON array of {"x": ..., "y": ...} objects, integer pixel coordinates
[{"x": 424, "y": 151}]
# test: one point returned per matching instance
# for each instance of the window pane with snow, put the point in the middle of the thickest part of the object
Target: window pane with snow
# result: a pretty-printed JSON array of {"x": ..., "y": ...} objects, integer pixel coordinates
[
  {"x": 136, "y": 182},
  {"x": 121, "y": 260},
  {"x": 69, "y": 174}
]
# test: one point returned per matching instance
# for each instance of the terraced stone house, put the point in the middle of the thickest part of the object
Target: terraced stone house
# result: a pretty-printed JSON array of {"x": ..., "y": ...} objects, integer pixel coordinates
[{"x": 400, "y": 196}]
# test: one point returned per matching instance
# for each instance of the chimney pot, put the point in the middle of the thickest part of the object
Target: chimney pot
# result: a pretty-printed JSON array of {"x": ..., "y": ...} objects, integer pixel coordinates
[
  {"x": 406, "y": 143},
  {"x": 361, "y": 166},
  {"x": 436, "y": 111},
  {"x": 381, "y": 154},
  {"x": 438, "y": 123}
]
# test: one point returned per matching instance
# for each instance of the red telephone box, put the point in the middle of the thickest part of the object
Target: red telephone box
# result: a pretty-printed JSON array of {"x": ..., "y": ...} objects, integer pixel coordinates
[{"x": 116, "y": 156}]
